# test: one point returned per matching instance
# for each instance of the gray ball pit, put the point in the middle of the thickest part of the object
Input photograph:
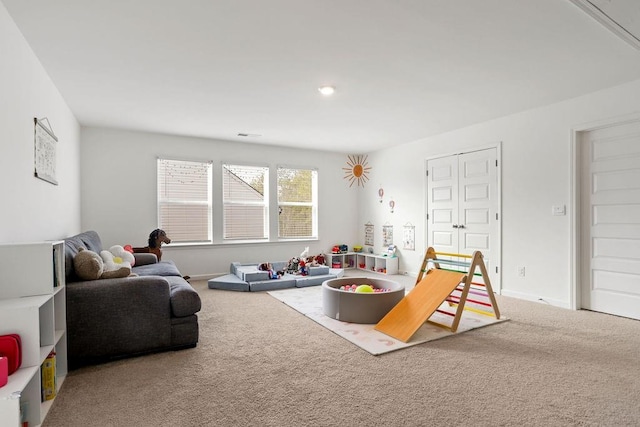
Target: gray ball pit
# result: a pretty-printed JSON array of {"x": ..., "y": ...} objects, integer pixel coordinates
[{"x": 354, "y": 307}]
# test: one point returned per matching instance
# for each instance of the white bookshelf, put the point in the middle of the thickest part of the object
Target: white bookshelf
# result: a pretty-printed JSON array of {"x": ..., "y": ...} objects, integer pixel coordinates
[
  {"x": 363, "y": 261},
  {"x": 33, "y": 305}
]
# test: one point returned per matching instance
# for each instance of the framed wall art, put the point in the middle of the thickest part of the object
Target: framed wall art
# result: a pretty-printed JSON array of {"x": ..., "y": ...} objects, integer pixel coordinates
[
  {"x": 387, "y": 235},
  {"x": 368, "y": 234},
  {"x": 409, "y": 237},
  {"x": 44, "y": 151}
]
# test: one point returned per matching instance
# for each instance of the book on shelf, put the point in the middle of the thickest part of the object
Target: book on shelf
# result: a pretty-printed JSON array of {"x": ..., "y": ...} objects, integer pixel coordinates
[{"x": 48, "y": 371}]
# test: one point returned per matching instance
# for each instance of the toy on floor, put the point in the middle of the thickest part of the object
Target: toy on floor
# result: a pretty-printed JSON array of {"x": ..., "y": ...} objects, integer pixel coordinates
[
  {"x": 300, "y": 265},
  {"x": 265, "y": 266},
  {"x": 363, "y": 289},
  {"x": 442, "y": 290},
  {"x": 156, "y": 239}
]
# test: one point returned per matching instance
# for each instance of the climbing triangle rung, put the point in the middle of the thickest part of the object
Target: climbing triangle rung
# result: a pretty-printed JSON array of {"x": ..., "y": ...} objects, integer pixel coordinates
[{"x": 451, "y": 262}]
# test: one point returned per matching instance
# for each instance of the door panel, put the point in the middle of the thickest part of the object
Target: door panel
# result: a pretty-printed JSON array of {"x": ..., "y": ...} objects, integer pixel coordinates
[
  {"x": 610, "y": 218},
  {"x": 479, "y": 204},
  {"x": 442, "y": 203}
]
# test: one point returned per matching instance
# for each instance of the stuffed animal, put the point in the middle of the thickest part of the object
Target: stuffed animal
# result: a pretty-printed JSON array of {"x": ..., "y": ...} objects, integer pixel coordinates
[
  {"x": 265, "y": 266},
  {"x": 156, "y": 239},
  {"x": 302, "y": 267},
  {"x": 122, "y": 252},
  {"x": 292, "y": 266},
  {"x": 305, "y": 253},
  {"x": 88, "y": 265},
  {"x": 114, "y": 267}
]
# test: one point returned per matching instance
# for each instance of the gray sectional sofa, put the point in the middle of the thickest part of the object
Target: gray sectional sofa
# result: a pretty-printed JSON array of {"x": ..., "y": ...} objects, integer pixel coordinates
[
  {"x": 248, "y": 278},
  {"x": 114, "y": 318}
]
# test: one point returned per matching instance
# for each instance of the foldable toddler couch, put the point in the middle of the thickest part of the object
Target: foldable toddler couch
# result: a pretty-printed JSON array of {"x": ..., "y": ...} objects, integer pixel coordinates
[{"x": 247, "y": 277}]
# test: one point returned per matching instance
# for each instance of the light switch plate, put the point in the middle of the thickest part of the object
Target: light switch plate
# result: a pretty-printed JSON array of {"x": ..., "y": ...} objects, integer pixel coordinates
[{"x": 558, "y": 210}]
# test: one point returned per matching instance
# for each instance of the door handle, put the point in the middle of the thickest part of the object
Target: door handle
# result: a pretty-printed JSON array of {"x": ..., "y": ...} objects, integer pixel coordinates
[
  {"x": 461, "y": 226},
  {"x": 455, "y": 226}
]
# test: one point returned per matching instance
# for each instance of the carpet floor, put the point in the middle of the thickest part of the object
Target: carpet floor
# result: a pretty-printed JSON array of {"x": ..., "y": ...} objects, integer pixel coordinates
[{"x": 260, "y": 363}]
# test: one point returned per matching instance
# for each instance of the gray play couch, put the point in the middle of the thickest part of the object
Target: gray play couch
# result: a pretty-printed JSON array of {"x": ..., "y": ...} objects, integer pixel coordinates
[
  {"x": 248, "y": 278},
  {"x": 115, "y": 318}
]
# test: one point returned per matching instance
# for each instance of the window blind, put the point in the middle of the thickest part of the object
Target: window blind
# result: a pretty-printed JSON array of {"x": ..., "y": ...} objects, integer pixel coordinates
[
  {"x": 184, "y": 200},
  {"x": 297, "y": 203},
  {"x": 246, "y": 202}
]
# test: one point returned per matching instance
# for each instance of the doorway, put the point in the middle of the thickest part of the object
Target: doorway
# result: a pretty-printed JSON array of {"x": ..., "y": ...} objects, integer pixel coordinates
[
  {"x": 463, "y": 206},
  {"x": 608, "y": 219}
]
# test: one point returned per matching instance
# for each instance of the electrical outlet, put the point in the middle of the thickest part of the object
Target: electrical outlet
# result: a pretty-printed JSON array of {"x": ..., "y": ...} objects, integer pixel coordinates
[{"x": 520, "y": 271}]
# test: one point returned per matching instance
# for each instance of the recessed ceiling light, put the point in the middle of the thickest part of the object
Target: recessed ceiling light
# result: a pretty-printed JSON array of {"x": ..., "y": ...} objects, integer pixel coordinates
[{"x": 327, "y": 90}]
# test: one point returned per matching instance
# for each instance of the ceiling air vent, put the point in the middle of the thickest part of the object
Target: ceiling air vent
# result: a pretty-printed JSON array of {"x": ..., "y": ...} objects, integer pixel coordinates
[{"x": 620, "y": 16}]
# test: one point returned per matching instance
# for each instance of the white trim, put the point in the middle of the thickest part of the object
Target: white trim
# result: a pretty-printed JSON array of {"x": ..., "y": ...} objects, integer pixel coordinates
[
  {"x": 599, "y": 15},
  {"x": 535, "y": 298}
]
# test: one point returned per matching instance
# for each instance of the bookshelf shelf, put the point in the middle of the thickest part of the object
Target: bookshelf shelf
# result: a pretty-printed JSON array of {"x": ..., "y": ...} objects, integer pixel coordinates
[
  {"x": 33, "y": 305},
  {"x": 363, "y": 261}
]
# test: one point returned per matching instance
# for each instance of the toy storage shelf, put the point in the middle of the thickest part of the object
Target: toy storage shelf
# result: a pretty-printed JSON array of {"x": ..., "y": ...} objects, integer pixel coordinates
[
  {"x": 362, "y": 261},
  {"x": 344, "y": 260},
  {"x": 33, "y": 305}
]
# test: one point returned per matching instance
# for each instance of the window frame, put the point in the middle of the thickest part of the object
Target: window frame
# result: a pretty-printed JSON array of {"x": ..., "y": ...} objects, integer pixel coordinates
[
  {"x": 265, "y": 203},
  {"x": 313, "y": 203},
  {"x": 160, "y": 201}
]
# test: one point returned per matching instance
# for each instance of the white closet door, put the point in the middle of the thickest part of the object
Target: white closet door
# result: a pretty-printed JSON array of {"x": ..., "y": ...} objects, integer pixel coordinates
[
  {"x": 442, "y": 204},
  {"x": 478, "y": 201},
  {"x": 462, "y": 206},
  {"x": 610, "y": 219}
]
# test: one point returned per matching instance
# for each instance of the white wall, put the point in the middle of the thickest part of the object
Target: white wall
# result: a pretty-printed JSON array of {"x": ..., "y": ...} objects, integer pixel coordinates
[
  {"x": 536, "y": 174},
  {"x": 33, "y": 209},
  {"x": 119, "y": 194}
]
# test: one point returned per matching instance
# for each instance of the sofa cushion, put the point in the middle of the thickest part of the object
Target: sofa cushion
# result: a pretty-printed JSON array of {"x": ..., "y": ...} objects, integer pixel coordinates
[
  {"x": 162, "y": 268},
  {"x": 185, "y": 301}
]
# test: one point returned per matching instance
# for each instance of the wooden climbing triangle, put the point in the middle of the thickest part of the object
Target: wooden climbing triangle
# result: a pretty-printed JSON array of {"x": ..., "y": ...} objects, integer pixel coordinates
[{"x": 436, "y": 286}]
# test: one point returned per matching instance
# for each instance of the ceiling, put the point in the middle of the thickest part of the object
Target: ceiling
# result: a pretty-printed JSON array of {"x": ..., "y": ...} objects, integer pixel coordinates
[{"x": 403, "y": 69}]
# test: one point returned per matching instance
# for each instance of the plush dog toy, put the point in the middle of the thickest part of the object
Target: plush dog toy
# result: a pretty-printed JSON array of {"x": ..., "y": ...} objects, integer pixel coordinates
[{"x": 156, "y": 239}]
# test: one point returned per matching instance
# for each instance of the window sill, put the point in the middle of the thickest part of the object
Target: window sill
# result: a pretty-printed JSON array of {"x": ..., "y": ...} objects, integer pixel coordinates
[{"x": 238, "y": 243}]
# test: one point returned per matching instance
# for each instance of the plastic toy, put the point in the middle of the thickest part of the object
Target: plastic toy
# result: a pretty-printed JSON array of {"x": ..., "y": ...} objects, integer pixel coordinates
[{"x": 364, "y": 289}]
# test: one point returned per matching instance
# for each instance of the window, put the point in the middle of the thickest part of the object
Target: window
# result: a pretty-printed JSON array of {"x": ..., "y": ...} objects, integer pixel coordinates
[
  {"x": 246, "y": 202},
  {"x": 297, "y": 203},
  {"x": 184, "y": 200}
]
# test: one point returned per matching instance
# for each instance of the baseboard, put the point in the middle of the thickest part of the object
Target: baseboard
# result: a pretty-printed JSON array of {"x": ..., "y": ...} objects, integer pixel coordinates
[
  {"x": 536, "y": 298},
  {"x": 205, "y": 276}
]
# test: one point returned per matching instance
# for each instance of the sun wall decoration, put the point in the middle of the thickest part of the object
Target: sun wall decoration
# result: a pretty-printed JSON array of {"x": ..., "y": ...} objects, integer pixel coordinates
[{"x": 357, "y": 170}]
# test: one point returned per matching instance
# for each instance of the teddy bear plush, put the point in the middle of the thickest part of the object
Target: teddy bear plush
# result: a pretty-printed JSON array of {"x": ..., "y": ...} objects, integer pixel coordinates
[{"x": 88, "y": 265}]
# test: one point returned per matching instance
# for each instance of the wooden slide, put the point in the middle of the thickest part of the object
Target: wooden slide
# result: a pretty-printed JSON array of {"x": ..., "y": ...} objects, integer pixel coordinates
[
  {"x": 414, "y": 309},
  {"x": 432, "y": 290}
]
